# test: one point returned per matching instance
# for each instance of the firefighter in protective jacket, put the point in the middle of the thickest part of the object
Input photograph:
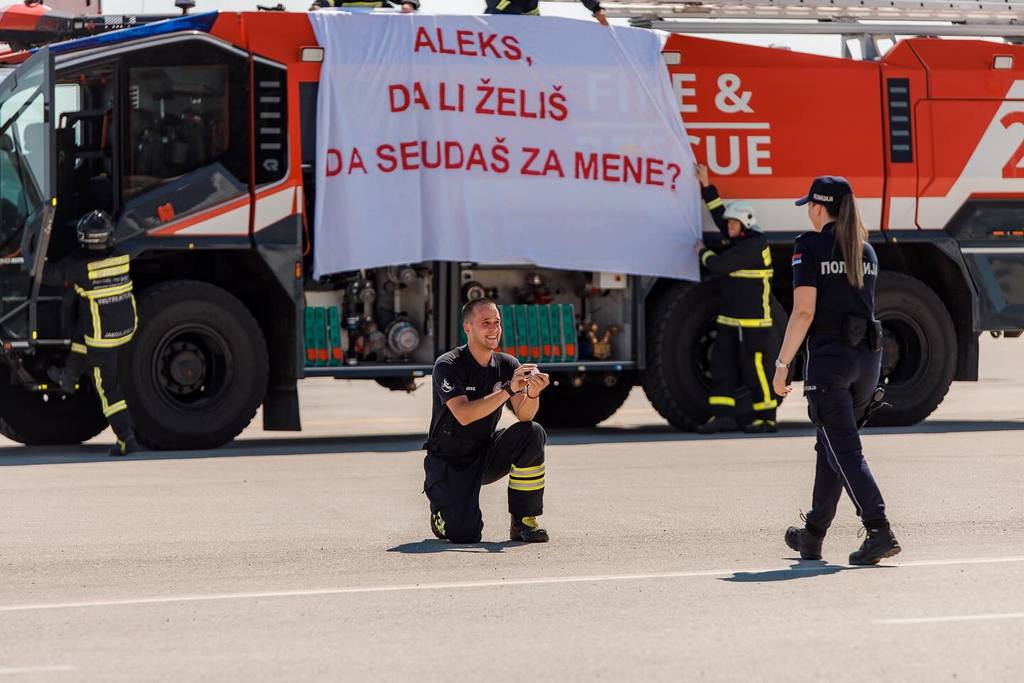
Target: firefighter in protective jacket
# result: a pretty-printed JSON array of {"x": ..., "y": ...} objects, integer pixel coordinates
[
  {"x": 104, "y": 320},
  {"x": 741, "y": 394},
  {"x": 407, "y": 5},
  {"x": 532, "y": 8}
]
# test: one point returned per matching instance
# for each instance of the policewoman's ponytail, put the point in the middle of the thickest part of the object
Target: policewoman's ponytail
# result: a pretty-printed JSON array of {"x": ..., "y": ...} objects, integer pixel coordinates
[{"x": 851, "y": 236}]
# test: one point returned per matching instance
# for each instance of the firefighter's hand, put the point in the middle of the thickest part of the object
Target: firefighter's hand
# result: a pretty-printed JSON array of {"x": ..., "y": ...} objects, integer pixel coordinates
[
  {"x": 521, "y": 375},
  {"x": 408, "y": 7},
  {"x": 779, "y": 382},
  {"x": 602, "y": 17},
  {"x": 702, "y": 175},
  {"x": 537, "y": 383},
  {"x": 699, "y": 247}
]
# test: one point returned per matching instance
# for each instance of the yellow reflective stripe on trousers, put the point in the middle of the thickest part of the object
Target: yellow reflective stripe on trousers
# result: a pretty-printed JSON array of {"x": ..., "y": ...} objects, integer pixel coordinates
[
  {"x": 527, "y": 471},
  {"x": 503, "y": 5},
  {"x": 722, "y": 401},
  {"x": 744, "y": 322},
  {"x": 532, "y": 485},
  {"x": 108, "y": 343},
  {"x": 768, "y": 403},
  {"x": 109, "y": 262},
  {"x": 752, "y": 274},
  {"x": 97, "y": 379},
  {"x": 115, "y": 409},
  {"x": 534, "y": 12}
]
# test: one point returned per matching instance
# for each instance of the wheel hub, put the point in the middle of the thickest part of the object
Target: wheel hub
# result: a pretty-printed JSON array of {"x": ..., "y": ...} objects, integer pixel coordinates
[{"x": 186, "y": 368}]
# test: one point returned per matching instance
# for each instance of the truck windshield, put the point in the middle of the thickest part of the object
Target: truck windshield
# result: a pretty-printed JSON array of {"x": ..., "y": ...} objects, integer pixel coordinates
[{"x": 22, "y": 152}]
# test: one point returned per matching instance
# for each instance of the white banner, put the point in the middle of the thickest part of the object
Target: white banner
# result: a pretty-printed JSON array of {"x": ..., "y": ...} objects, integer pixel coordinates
[{"x": 500, "y": 140}]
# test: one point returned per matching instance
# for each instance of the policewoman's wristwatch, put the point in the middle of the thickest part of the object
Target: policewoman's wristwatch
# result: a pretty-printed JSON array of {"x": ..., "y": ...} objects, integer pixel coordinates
[{"x": 779, "y": 363}]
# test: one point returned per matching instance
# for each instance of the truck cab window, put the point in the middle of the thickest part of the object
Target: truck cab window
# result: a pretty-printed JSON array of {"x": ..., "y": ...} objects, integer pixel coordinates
[{"x": 187, "y": 131}]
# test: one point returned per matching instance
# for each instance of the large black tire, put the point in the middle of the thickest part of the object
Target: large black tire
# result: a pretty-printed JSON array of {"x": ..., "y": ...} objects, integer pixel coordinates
[
  {"x": 680, "y": 333},
  {"x": 919, "y": 350},
  {"x": 197, "y": 370},
  {"x": 26, "y": 418},
  {"x": 565, "y": 406}
]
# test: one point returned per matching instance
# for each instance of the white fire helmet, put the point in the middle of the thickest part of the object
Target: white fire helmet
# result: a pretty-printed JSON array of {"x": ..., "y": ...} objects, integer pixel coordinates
[{"x": 743, "y": 212}]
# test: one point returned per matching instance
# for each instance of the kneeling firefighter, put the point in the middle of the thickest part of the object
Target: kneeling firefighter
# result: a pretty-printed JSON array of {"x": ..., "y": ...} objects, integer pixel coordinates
[
  {"x": 104, "y": 320},
  {"x": 740, "y": 358}
]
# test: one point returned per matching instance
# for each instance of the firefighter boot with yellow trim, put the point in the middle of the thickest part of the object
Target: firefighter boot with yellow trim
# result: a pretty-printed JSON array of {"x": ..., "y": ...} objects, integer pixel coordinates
[{"x": 528, "y": 530}]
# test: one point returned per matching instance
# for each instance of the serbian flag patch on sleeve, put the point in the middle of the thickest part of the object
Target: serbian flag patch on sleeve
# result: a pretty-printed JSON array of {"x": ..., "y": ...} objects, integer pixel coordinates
[{"x": 797, "y": 259}]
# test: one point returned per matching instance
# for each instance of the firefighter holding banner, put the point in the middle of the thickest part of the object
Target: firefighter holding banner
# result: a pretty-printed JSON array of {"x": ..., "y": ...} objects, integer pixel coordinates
[
  {"x": 741, "y": 395},
  {"x": 532, "y": 8},
  {"x": 407, "y": 5}
]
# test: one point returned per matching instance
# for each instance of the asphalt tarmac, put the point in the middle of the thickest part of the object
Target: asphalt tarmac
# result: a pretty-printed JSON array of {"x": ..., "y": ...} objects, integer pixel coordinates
[{"x": 308, "y": 557}]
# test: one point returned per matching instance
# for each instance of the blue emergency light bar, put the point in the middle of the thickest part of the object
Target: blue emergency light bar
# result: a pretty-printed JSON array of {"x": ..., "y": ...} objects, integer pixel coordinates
[{"x": 191, "y": 22}]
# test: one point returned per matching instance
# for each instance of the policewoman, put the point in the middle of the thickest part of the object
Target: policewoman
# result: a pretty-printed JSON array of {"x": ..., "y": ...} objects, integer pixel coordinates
[{"x": 834, "y": 276}]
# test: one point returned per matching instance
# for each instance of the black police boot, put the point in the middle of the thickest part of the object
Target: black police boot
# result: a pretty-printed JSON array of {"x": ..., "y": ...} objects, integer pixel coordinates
[
  {"x": 718, "y": 424},
  {"x": 437, "y": 524},
  {"x": 761, "y": 427},
  {"x": 879, "y": 544},
  {"x": 804, "y": 542},
  {"x": 528, "y": 530}
]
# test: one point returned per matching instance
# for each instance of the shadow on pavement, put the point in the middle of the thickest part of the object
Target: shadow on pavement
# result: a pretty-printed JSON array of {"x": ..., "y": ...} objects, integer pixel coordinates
[
  {"x": 405, "y": 443},
  {"x": 801, "y": 570},
  {"x": 433, "y": 545}
]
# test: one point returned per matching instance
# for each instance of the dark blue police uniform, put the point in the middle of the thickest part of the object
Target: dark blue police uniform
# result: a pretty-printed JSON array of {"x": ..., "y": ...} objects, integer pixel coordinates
[{"x": 839, "y": 379}]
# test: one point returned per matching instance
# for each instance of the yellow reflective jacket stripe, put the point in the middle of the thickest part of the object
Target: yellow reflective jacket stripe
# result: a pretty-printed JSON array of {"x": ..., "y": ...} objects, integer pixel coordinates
[
  {"x": 105, "y": 292},
  {"x": 109, "y": 272},
  {"x": 122, "y": 260},
  {"x": 744, "y": 322},
  {"x": 752, "y": 274}
]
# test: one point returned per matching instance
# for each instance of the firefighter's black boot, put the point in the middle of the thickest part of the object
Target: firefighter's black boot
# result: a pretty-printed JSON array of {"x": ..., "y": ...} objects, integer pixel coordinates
[
  {"x": 718, "y": 424},
  {"x": 761, "y": 427},
  {"x": 879, "y": 544},
  {"x": 804, "y": 542},
  {"x": 437, "y": 524},
  {"x": 528, "y": 530},
  {"x": 126, "y": 447}
]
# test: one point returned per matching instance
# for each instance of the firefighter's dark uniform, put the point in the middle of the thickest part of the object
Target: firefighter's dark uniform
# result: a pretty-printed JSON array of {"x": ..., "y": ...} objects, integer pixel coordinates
[
  {"x": 104, "y": 320},
  {"x": 743, "y": 351},
  {"x": 461, "y": 459},
  {"x": 839, "y": 377},
  {"x": 373, "y": 4},
  {"x": 530, "y": 7}
]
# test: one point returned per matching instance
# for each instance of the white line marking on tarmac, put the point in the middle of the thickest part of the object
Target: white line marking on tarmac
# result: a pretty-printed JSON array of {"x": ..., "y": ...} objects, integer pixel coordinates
[
  {"x": 947, "y": 620},
  {"x": 539, "y": 581},
  {"x": 14, "y": 671}
]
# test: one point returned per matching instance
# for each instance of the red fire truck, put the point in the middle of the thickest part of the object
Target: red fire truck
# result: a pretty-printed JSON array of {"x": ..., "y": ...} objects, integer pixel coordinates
[{"x": 198, "y": 134}]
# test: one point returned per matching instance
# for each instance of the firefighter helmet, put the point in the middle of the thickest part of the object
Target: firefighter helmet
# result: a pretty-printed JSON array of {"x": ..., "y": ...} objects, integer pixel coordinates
[
  {"x": 742, "y": 212},
  {"x": 96, "y": 230}
]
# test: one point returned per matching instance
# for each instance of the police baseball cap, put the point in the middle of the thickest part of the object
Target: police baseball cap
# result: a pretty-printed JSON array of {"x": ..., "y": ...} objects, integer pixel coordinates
[{"x": 827, "y": 190}]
